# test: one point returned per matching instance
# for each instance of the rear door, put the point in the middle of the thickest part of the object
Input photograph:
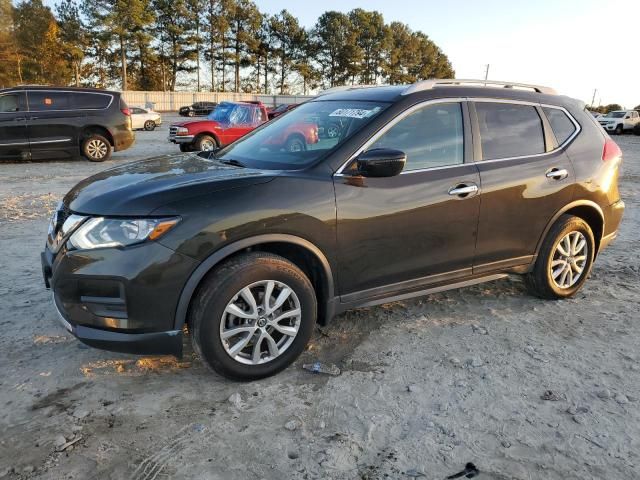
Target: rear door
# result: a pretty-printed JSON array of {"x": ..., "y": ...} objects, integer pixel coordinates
[
  {"x": 14, "y": 140},
  {"x": 52, "y": 124},
  {"x": 419, "y": 227},
  {"x": 525, "y": 178}
]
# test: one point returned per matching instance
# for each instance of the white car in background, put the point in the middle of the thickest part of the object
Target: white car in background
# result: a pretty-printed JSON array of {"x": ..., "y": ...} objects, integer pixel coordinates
[
  {"x": 145, "y": 118},
  {"x": 620, "y": 120}
]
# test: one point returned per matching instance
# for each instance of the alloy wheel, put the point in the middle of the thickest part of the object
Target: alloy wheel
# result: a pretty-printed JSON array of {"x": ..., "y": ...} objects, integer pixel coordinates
[
  {"x": 97, "y": 148},
  {"x": 207, "y": 146},
  {"x": 569, "y": 260},
  {"x": 260, "y": 322}
]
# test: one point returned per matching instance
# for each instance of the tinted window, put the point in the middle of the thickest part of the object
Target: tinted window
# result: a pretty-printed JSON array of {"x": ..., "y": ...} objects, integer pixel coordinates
[
  {"x": 10, "y": 102},
  {"x": 509, "y": 130},
  {"x": 91, "y": 101},
  {"x": 41, "y": 101},
  {"x": 431, "y": 137},
  {"x": 561, "y": 125}
]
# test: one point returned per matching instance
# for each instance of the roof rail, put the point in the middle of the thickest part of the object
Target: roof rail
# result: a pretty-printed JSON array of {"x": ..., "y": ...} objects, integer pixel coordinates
[
  {"x": 429, "y": 84},
  {"x": 343, "y": 88}
]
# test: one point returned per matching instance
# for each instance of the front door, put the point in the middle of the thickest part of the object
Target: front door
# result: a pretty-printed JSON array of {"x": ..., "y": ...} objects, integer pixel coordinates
[
  {"x": 525, "y": 179},
  {"x": 416, "y": 228},
  {"x": 52, "y": 124},
  {"x": 14, "y": 141}
]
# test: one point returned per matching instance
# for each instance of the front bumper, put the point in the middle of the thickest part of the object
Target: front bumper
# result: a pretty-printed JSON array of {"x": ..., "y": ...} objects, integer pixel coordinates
[
  {"x": 609, "y": 127},
  {"x": 122, "y": 300},
  {"x": 181, "y": 138}
]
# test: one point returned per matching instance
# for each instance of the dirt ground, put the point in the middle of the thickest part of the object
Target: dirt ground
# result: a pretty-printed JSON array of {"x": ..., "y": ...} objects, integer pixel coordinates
[{"x": 427, "y": 385}]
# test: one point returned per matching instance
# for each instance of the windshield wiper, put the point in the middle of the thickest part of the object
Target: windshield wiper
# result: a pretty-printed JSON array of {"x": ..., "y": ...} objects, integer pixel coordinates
[{"x": 235, "y": 163}]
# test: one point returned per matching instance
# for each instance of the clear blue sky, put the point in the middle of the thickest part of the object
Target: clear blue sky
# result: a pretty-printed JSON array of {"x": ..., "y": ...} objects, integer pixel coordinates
[{"x": 572, "y": 45}]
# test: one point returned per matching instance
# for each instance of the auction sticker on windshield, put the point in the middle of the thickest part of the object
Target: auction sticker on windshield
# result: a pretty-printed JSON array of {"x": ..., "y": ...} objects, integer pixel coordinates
[{"x": 353, "y": 112}]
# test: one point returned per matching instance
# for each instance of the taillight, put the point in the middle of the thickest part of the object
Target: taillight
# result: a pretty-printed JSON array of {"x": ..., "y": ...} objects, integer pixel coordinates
[
  {"x": 126, "y": 111},
  {"x": 611, "y": 151}
]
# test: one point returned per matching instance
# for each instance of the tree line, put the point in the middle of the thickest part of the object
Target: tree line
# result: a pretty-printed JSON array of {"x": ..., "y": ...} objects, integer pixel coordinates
[{"x": 214, "y": 45}]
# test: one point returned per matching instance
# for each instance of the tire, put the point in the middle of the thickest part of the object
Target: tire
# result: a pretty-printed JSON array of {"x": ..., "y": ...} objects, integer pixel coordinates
[
  {"x": 221, "y": 292},
  {"x": 149, "y": 125},
  {"x": 96, "y": 148},
  {"x": 619, "y": 130},
  {"x": 205, "y": 143},
  {"x": 333, "y": 130},
  {"x": 636, "y": 129},
  {"x": 185, "y": 147},
  {"x": 190, "y": 113},
  {"x": 295, "y": 143},
  {"x": 540, "y": 281}
]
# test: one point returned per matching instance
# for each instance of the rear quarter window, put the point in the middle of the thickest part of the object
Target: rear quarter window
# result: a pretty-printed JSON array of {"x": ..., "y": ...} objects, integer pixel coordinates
[
  {"x": 509, "y": 130},
  {"x": 91, "y": 101},
  {"x": 561, "y": 124}
]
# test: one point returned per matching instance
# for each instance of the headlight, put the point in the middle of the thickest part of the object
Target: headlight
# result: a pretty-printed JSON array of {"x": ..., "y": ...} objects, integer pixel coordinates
[
  {"x": 102, "y": 232},
  {"x": 182, "y": 131}
]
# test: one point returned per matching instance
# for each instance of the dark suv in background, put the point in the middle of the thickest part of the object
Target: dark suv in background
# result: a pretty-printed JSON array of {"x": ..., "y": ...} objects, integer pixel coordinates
[
  {"x": 428, "y": 187},
  {"x": 48, "y": 123}
]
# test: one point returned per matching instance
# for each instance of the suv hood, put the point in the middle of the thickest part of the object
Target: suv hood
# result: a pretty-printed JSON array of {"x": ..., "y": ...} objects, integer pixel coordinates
[{"x": 139, "y": 188}]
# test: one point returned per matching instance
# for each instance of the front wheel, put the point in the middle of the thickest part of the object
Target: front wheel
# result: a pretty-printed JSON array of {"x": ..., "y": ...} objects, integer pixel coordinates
[
  {"x": 253, "y": 316},
  {"x": 185, "y": 147},
  {"x": 205, "y": 143},
  {"x": 96, "y": 148},
  {"x": 619, "y": 129},
  {"x": 564, "y": 261}
]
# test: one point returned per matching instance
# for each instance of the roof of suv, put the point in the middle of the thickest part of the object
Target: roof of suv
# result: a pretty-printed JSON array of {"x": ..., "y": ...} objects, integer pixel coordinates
[
  {"x": 448, "y": 89},
  {"x": 62, "y": 89}
]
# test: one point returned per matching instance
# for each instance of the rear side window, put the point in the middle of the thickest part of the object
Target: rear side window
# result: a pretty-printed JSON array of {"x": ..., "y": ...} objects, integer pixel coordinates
[
  {"x": 561, "y": 125},
  {"x": 11, "y": 102},
  {"x": 509, "y": 130},
  {"x": 91, "y": 101},
  {"x": 42, "y": 101}
]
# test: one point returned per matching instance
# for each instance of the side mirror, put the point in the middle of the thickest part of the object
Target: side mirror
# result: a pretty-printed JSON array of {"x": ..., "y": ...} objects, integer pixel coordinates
[
  {"x": 381, "y": 162},
  {"x": 627, "y": 117}
]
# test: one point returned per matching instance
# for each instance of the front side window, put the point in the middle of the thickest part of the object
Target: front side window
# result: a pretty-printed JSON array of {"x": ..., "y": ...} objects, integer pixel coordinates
[
  {"x": 10, "y": 102},
  {"x": 431, "y": 136},
  {"x": 561, "y": 125},
  {"x": 42, "y": 101},
  {"x": 509, "y": 130}
]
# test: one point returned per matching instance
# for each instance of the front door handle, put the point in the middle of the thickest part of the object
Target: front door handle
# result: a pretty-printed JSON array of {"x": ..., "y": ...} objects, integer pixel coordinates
[
  {"x": 463, "y": 190},
  {"x": 557, "y": 173},
  {"x": 20, "y": 119}
]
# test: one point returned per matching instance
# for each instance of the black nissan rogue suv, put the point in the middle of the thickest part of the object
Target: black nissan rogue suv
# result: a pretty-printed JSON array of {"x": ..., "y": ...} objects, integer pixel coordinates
[
  {"x": 428, "y": 187},
  {"x": 48, "y": 123}
]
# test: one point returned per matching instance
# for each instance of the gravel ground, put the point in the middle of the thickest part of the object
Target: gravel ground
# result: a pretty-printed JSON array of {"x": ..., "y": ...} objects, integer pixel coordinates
[{"x": 427, "y": 385}]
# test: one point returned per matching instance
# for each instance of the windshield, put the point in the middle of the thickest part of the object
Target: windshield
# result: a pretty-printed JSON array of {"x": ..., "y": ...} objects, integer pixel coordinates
[
  {"x": 615, "y": 114},
  {"x": 232, "y": 113},
  {"x": 303, "y": 135}
]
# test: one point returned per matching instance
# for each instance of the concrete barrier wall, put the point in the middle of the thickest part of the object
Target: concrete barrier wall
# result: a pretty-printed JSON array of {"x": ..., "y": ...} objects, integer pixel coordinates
[{"x": 172, "y": 101}]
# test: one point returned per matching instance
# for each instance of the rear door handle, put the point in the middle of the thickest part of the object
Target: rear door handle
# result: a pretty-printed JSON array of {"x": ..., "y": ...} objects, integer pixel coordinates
[
  {"x": 557, "y": 173},
  {"x": 20, "y": 119},
  {"x": 463, "y": 190}
]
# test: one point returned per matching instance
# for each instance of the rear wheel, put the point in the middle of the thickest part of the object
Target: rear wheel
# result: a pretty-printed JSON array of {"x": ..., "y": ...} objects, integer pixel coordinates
[
  {"x": 295, "y": 143},
  {"x": 96, "y": 148},
  {"x": 253, "y": 316},
  {"x": 205, "y": 143},
  {"x": 149, "y": 125},
  {"x": 636, "y": 129},
  {"x": 564, "y": 261}
]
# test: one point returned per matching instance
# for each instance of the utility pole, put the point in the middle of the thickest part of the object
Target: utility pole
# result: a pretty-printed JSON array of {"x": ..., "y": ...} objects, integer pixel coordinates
[
  {"x": 593, "y": 99},
  {"x": 486, "y": 73}
]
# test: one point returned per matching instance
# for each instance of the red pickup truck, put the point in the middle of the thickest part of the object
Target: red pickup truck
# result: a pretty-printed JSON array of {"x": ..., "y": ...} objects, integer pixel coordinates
[{"x": 230, "y": 121}]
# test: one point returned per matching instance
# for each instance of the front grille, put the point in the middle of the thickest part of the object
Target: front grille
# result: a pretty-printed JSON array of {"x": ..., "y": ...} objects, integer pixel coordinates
[{"x": 173, "y": 130}]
